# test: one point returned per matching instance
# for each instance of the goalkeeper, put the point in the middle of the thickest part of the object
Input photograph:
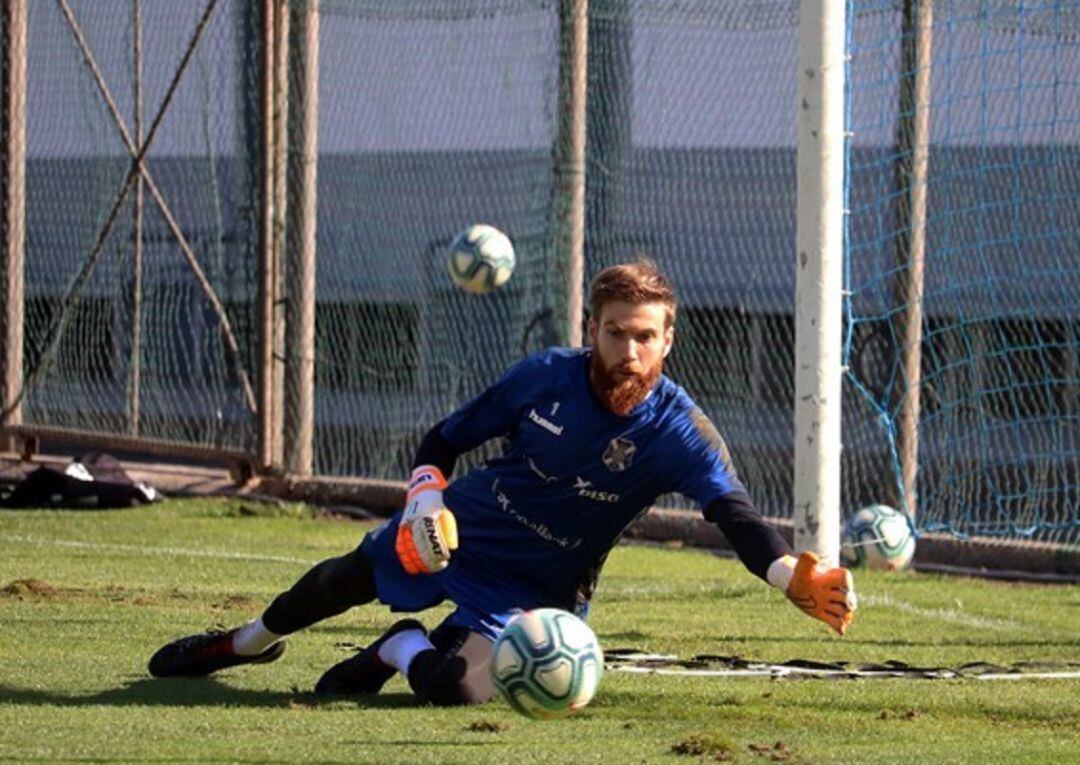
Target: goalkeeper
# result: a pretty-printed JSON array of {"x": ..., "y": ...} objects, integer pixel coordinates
[{"x": 594, "y": 436}]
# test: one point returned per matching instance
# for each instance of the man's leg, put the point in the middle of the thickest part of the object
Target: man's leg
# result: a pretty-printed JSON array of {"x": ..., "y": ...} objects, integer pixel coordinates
[
  {"x": 369, "y": 669},
  {"x": 450, "y": 666},
  {"x": 328, "y": 589},
  {"x": 456, "y": 670}
]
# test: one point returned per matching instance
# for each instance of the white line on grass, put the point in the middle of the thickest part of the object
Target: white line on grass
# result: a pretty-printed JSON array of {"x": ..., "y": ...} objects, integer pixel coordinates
[
  {"x": 147, "y": 550},
  {"x": 943, "y": 614},
  {"x": 772, "y": 670}
]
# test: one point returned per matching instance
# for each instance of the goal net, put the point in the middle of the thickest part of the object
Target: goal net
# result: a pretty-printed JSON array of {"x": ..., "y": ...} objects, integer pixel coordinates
[{"x": 998, "y": 378}]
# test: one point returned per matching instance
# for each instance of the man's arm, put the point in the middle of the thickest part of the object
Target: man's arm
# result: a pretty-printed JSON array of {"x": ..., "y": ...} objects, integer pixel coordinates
[
  {"x": 427, "y": 534},
  {"x": 436, "y": 450},
  {"x": 755, "y": 542},
  {"x": 825, "y": 594}
]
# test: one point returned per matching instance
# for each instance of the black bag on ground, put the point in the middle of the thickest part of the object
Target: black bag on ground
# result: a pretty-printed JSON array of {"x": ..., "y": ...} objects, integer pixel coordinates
[{"x": 95, "y": 480}]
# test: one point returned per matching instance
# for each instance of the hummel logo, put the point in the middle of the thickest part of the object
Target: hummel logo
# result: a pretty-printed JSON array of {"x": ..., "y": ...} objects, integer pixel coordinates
[{"x": 547, "y": 425}]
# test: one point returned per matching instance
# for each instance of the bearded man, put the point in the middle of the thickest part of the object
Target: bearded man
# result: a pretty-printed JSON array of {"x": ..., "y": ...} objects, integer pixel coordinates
[{"x": 593, "y": 437}]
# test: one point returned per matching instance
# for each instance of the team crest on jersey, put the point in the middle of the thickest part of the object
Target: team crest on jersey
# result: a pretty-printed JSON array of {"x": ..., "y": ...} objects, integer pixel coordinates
[{"x": 619, "y": 454}]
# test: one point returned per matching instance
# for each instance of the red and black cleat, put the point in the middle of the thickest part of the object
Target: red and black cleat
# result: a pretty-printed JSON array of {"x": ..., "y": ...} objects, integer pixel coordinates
[{"x": 198, "y": 655}]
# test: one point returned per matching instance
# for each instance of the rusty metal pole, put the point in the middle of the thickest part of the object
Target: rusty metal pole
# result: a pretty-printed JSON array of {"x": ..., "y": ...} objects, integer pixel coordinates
[
  {"x": 301, "y": 225},
  {"x": 135, "y": 362},
  {"x": 14, "y": 202},
  {"x": 913, "y": 152},
  {"x": 267, "y": 269},
  {"x": 570, "y": 159},
  {"x": 281, "y": 153}
]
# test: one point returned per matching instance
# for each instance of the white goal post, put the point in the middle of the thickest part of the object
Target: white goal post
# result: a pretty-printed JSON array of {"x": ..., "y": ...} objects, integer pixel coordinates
[{"x": 819, "y": 277}]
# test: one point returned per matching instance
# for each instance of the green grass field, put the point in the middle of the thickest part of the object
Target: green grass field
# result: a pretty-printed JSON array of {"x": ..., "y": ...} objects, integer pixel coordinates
[{"x": 86, "y": 597}]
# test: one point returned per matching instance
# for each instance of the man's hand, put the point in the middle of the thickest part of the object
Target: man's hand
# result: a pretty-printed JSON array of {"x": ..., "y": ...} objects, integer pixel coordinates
[
  {"x": 428, "y": 531},
  {"x": 825, "y": 594}
]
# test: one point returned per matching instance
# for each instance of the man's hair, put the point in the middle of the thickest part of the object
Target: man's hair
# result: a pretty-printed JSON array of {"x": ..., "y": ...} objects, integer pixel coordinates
[{"x": 637, "y": 282}]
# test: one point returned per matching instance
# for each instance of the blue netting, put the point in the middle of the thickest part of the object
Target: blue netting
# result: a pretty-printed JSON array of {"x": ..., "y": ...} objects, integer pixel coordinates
[{"x": 999, "y": 423}]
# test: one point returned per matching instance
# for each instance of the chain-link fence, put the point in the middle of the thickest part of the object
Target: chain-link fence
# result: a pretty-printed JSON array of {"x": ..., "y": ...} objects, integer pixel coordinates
[{"x": 142, "y": 304}]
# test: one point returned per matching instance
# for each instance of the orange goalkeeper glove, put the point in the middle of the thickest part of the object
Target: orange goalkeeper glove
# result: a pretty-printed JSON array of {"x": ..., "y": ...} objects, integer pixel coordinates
[
  {"x": 427, "y": 533},
  {"x": 825, "y": 594}
]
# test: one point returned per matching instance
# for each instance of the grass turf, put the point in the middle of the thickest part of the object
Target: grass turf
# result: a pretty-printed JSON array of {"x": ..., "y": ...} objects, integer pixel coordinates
[{"x": 85, "y": 598}]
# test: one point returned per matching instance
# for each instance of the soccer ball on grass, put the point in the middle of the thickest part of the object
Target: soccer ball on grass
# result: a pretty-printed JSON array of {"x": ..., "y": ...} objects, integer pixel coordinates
[
  {"x": 481, "y": 259},
  {"x": 877, "y": 537},
  {"x": 547, "y": 663}
]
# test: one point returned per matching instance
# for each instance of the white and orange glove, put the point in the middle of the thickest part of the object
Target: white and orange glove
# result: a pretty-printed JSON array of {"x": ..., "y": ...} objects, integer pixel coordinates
[
  {"x": 427, "y": 533},
  {"x": 827, "y": 594}
]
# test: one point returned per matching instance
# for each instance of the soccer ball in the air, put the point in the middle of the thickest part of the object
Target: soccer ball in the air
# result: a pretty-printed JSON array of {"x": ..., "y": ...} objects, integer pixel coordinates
[
  {"x": 481, "y": 259},
  {"x": 547, "y": 663},
  {"x": 877, "y": 537}
]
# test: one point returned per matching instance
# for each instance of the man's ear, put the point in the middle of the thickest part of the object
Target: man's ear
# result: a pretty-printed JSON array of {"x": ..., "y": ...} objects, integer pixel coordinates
[
  {"x": 592, "y": 330},
  {"x": 669, "y": 340}
]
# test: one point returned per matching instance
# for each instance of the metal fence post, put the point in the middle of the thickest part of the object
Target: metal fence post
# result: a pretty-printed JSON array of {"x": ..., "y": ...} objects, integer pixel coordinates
[{"x": 14, "y": 204}]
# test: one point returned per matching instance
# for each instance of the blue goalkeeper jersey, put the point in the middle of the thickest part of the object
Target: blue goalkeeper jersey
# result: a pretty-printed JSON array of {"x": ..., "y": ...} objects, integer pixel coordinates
[{"x": 572, "y": 475}]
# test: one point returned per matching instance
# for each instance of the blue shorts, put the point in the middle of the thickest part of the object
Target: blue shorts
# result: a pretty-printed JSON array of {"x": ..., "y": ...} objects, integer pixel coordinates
[{"x": 485, "y": 600}]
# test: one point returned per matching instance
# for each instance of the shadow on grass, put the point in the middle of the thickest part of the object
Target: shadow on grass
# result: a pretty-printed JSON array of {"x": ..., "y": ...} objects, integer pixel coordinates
[{"x": 194, "y": 692}]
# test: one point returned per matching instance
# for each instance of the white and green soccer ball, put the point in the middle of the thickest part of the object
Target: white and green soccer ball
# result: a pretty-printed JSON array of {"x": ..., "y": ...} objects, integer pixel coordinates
[
  {"x": 481, "y": 259},
  {"x": 877, "y": 537},
  {"x": 547, "y": 663}
]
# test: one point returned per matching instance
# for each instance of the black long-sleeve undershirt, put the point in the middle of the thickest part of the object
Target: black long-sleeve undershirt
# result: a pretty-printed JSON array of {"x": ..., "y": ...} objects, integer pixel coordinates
[
  {"x": 436, "y": 450},
  {"x": 755, "y": 542}
]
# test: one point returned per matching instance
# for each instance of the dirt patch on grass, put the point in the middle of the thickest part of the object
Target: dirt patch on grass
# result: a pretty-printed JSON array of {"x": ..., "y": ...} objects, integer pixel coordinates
[
  {"x": 25, "y": 589},
  {"x": 159, "y": 598},
  {"x": 236, "y": 602},
  {"x": 778, "y": 752},
  {"x": 718, "y": 748},
  {"x": 36, "y": 589},
  {"x": 39, "y": 590}
]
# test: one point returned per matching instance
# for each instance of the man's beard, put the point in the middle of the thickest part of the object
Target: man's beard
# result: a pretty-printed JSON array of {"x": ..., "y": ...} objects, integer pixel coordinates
[{"x": 621, "y": 396}]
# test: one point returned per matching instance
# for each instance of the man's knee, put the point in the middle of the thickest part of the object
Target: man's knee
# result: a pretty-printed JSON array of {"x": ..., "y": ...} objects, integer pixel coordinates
[
  {"x": 349, "y": 578},
  {"x": 443, "y": 683},
  {"x": 328, "y": 589},
  {"x": 457, "y": 672}
]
